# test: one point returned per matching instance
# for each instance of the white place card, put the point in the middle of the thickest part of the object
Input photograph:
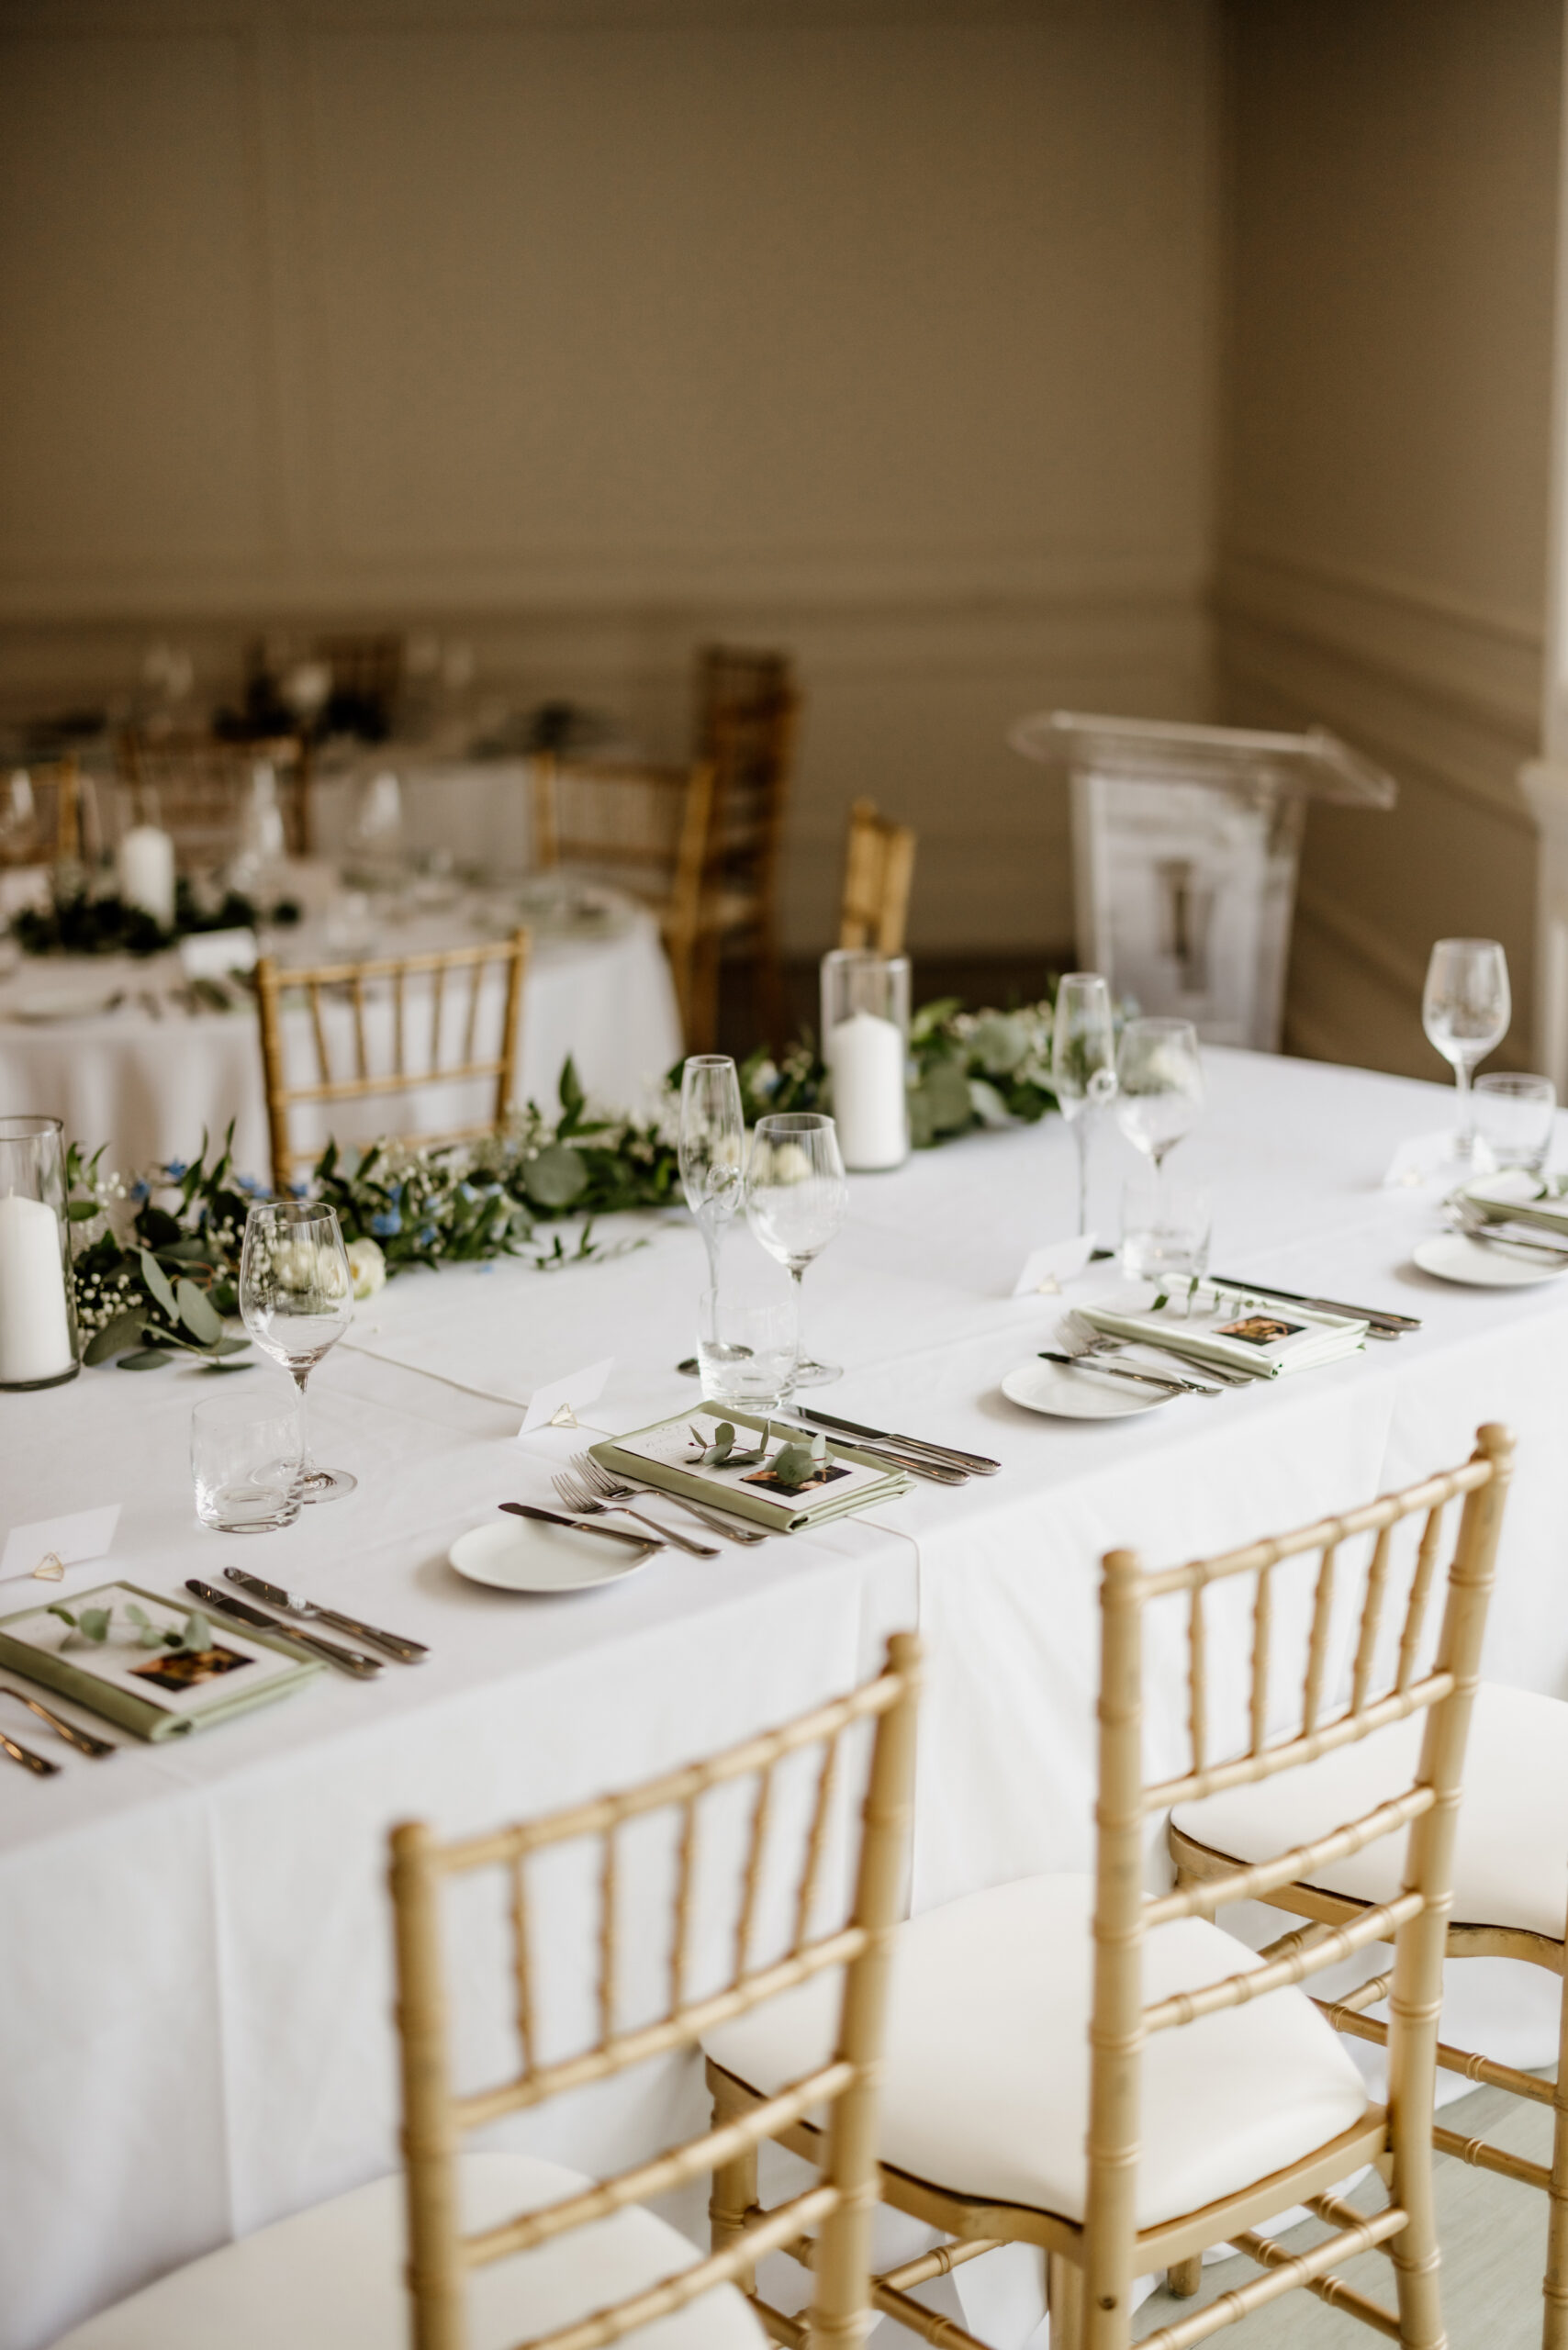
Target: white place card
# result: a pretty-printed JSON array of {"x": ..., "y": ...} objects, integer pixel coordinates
[
  {"x": 86, "y": 1534},
  {"x": 1048, "y": 1270},
  {"x": 1421, "y": 1159},
  {"x": 557, "y": 1404},
  {"x": 213, "y": 953}
]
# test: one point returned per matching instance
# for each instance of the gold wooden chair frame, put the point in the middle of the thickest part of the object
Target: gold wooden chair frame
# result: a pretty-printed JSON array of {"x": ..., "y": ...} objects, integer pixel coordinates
[
  {"x": 470, "y": 963},
  {"x": 878, "y": 873},
  {"x": 1092, "y": 2264},
  {"x": 841, "y": 2204},
  {"x": 194, "y": 785},
  {"x": 66, "y": 792},
  {"x": 649, "y": 828},
  {"x": 747, "y": 719}
]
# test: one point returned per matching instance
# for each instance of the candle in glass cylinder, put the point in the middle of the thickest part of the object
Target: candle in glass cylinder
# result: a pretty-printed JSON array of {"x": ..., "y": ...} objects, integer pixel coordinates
[
  {"x": 147, "y": 872},
  {"x": 35, "y": 1328},
  {"x": 866, "y": 1057}
]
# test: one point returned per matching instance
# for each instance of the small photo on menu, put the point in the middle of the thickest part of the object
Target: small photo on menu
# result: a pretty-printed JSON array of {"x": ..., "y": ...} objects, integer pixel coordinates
[{"x": 1259, "y": 1329}]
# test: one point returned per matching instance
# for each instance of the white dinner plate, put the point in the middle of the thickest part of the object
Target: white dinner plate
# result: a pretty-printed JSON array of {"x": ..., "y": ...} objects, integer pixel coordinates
[
  {"x": 524, "y": 1554},
  {"x": 1078, "y": 1394},
  {"x": 1455, "y": 1256},
  {"x": 65, "y": 1003}
]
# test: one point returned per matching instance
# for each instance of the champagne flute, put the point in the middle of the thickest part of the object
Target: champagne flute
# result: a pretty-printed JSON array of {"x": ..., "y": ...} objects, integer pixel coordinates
[
  {"x": 297, "y": 1299},
  {"x": 1465, "y": 1009},
  {"x": 1159, "y": 1086},
  {"x": 797, "y": 1199},
  {"x": 1083, "y": 1064},
  {"x": 712, "y": 1148}
]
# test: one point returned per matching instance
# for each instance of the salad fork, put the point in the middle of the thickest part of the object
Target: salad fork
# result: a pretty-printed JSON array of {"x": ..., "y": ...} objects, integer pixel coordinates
[
  {"x": 586, "y": 1504},
  {"x": 599, "y": 1479}
]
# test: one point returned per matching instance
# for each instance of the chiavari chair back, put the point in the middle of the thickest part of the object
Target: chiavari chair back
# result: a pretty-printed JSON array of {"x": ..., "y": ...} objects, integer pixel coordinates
[
  {"x": 426, "y": 1014},
  {"x": 648, "y": 829},
  {"x": 747, "y": 719},
  {"x": 194, "y": 785},
  {"x": 47, "y": 813},
  {"x": 1222, "y": 2099},
  {"x": 761, "y": 1965},
  {"x": 879, "y": 872}
]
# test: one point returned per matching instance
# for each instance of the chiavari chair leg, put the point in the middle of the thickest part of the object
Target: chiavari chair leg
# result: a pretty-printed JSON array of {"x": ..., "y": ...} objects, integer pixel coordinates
[
  {"x": 1064, "y": 2299},
  {"x": 1555, "y": 2285},
  {"x": 734, "y": 2195},
  {"x": 1184, "y": 2277}
]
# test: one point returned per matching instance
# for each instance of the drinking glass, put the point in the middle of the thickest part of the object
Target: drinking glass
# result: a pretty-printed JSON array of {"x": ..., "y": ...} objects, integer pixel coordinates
[
  {"x": 712, "y": 1148},
  {"x": 1083, "y": 1064},
  {"x": 1165, "y": 1232},
  {"x": 1159, "y": 1086},
  {"x": 1465, "y": 1010},
  {"x": 297, "y": 1299},
  {"x": 797, "y": 1199},
  {"x": 246, "y": 1454},
  {"x": 1514, "y": 1115},
  {"x": 746, "y": 1350}
]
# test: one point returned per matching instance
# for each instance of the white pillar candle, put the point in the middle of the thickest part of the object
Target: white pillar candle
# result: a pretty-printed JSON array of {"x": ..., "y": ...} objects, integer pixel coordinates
[
  {"x": 35, "y": 1330},
  {"x": 866, "y": 1057},
  {"x": 147, "y": 872}
]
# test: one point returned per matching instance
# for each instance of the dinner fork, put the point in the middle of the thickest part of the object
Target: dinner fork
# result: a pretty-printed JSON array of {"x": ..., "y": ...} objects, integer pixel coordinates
[
  {"x": 82, "y": 1740},
  {"x": 586, "y": 1504},
  {"x": 600, "y": 1481}
]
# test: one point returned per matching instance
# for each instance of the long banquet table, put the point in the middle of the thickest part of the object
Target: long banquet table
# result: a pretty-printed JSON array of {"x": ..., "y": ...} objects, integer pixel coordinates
[{"x": 195, "y": 2033}]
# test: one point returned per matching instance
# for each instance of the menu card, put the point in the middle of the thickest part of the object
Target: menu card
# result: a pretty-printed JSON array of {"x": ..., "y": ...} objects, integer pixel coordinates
[
  {"x": 134, "y": 1678},
  {"x": 667, "y": 1455},
  {"x": 1237, "y": 1327}
]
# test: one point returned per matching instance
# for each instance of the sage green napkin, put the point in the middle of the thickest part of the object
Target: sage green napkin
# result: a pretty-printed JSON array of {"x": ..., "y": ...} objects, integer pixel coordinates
[{"x": 658, "y": 1456}]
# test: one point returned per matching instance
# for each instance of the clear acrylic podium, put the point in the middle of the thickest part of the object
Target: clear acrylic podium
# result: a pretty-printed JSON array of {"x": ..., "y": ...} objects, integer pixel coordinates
[{"x": 1185, "y": 841}]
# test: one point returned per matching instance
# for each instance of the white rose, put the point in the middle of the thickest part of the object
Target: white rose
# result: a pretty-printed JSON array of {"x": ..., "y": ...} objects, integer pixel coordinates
[{"x": 367, "y": 1266}]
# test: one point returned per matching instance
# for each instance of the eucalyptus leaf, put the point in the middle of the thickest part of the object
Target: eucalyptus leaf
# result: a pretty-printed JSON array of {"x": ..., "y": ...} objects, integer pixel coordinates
[
  {"x": 556, "y": 1176},
  {"x": 157, "y": 1281},
  {"x": 145, "y": 1359},
  {"x": 196, "y": 1314},
  {"x": 114, "y": 1338},
  {"x": 94, "y": 1623}
]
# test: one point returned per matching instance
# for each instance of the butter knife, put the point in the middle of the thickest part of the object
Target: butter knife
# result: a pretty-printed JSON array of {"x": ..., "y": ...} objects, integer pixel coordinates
[
  {"x": 363, "y": 1668},
  {"x": 294, "y": 1603},
  {"x": 582, "y": 1526},
  {"x": 979, "y": 1464}
]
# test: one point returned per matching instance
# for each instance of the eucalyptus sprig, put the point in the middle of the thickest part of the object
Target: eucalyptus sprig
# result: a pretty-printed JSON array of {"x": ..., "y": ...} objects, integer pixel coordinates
[
  {"x": 194, "y": 1636},
  {"x": 723, "y": 1452}
]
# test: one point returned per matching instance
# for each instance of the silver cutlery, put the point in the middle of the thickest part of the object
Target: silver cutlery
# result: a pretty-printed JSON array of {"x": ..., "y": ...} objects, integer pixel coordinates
[
  {"x": 599, "y": 1482},
  {"x": 349, "y": 1661},
  {"x": 1502, "y": 1235},
  {"x": 909, "y": 1464},
  {"x": 578, "y": 1498},
  {"x": 979, "y": 1464},
  {"x": 554, "y": 1518},
  {"x": 1163, "y": 1381},
  {"x": 82, "y": 1740},
  {"x": 1076, "y": 1335},
  {"x": 26, "y": 1758},
  {"x": 1380, "y": 1323},
  {"x": 296, "y": 1604}
]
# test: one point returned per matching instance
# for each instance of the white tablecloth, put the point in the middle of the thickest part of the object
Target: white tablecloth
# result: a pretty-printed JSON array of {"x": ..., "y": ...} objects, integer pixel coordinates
[
  {"x": 149, "y": 1085},
  {"x": 193, "y": 1962}
]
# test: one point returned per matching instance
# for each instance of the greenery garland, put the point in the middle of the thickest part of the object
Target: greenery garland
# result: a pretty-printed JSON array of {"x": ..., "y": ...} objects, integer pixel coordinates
[
  {"x": 80, "y": 924},
  {"x": 158, "y": 1258}
]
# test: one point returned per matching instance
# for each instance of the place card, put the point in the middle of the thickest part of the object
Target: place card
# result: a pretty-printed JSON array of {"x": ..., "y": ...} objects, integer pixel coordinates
[
  {"x": 1049, "y": 1268},
  {"x": 557, "y": 1404},
  {"x": 70, "y": 1542},
  {"x": 1420, "y": 1159},
  {"x": 213, "y": 953}
]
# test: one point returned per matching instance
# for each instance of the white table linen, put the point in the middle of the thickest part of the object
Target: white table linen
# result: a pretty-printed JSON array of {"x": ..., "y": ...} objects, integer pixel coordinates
[
  {"x": 193, "y": 1971},
  {"x": 148, "y": 1086}
]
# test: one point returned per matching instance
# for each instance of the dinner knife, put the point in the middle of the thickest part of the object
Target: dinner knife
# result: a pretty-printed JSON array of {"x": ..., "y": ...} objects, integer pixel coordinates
[
  {"x": 582, "y": 1526},
  {"x": 980, "y": 1463},
  {"x": 294, "y": 1603},
  {"x": 363, "y": 1668},
  {"x": 1170, "y": 1385},
  {"x": 1382, "y": 1325},
  {"x": 907, "y": 1464}
]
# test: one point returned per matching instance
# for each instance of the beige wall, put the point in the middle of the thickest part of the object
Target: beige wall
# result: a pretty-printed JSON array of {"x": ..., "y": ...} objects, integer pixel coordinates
[
  {"x": 1389, "y": 276},
  {"x": 588, "y": 331}
]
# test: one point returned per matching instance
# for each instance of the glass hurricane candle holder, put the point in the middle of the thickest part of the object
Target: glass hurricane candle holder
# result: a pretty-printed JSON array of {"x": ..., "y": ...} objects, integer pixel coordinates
[
  {"x": 38, "y": 1346},
  {"x": 865, "y": 1029}
]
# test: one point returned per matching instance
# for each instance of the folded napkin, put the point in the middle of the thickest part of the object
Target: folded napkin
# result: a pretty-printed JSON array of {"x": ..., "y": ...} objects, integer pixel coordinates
[
  {"x": 1518, "y": 1197},
  {"x": 666, "y": 1454},
  {"x": 154, "y": 1691},
  {"x": 1235, "y": 1328}
]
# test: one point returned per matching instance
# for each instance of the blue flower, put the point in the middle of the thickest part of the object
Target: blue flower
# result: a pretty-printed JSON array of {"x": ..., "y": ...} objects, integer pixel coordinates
[
  {"x": 139, "y": 1193},
  {"x": 386, "y": 1224},
  {"x": 426, "y": 1236}
]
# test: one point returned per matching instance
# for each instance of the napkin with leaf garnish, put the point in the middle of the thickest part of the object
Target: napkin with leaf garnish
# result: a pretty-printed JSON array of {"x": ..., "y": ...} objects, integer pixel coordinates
[{"x": 780, "y": 1476}]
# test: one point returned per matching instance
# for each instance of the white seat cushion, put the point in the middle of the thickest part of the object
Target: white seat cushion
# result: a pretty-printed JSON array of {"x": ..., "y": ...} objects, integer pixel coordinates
[
  {"x": 985, "y": 2077},
  {"x": 1511, "y": 1851},
  {"x": 332, "y": 2279}
]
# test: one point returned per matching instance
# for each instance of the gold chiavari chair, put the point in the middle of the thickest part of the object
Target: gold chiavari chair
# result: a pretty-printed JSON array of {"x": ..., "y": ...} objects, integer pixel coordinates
[
  {"x": 194, "y": 785},
  {"x": 1509, "y": 1895},
  {"x": 42, "y": 807},
  {"x": 649, "y": 830},
  {"x": 1210, "y": 2107},
  {"x": 879, "y": 871},
  {"x": 417, "y": 1039},
  {"x": 511, "y": 2249},
  {"x": 746, "y": 722}
]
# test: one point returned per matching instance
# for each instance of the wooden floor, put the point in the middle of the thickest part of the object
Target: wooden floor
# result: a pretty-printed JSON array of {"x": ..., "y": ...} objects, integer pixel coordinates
[{"x": 1494, "y": 2240}]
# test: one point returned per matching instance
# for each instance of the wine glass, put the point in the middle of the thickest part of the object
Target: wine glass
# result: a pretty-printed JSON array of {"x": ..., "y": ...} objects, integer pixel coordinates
[
  {"x": 1464, "y": 1010},
  {"x": 797, "y": 1199},
  {"x": 1083, "y": 1064},
  {"x": 1159, "y": 1086},
  {"x": 297, "y": 1299},
  {"x": 712, "y": 1148}
]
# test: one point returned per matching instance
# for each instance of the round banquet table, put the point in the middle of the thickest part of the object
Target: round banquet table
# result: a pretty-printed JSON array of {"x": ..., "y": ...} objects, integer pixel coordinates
[
  {"x": 150, "y": 1075},
  {"x": 194, "y": 1958}
]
